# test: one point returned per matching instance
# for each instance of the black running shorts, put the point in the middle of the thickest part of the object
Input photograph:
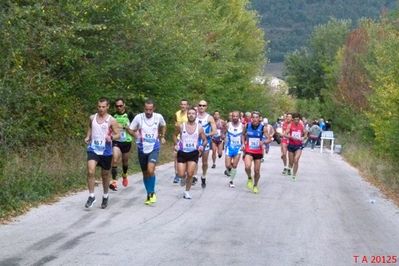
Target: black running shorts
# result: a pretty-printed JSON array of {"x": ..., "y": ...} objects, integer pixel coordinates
[
  {"x": 294, "y": 148},
  {"x": 183, "y": 157},
  {"x": 123, "y": 146},
  {"x": 255, "y": 156},
  {"x": 102, "y": 161}
]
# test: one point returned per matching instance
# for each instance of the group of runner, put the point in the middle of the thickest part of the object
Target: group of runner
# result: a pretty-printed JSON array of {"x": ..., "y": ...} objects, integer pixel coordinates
[{"x": 109, "y": 140}]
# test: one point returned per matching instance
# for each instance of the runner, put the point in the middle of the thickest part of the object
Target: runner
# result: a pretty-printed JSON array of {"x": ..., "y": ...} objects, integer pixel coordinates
[
  {"x": 234, "y": 146},
  {"x": 295, "y": 133},
  {"x": 253, "y": 135},
  {"x": 180, "y": 118},
  {"x": 246, "y": 118},
  {"x": 121, "y": 147},
  {"x": 187, "y": 137},
  {"x": 270, "y": 132},
  {"x": 208, "y": 124},
  {"x": 150, "y": 128},
  {"x": 218, "y": 138},
  {"x": 314, "y": 133},
  {"x": 102, "y": 129},
  {"x": 284, "y": 143}
]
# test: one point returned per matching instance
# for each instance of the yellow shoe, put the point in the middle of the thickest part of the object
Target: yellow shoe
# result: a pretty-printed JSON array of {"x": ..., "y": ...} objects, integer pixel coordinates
[
  {"x": 250, "y": 185},
  {"x": 148, "y": 201},
  {"x": 153, "y": 198},
  {"x": 255, "y": 190}
]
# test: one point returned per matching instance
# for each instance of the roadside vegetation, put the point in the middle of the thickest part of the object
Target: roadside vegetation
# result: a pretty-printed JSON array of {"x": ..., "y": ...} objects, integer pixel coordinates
[
  {"x": 59, "y": 57},
  {"x": 350, "y": 76}
]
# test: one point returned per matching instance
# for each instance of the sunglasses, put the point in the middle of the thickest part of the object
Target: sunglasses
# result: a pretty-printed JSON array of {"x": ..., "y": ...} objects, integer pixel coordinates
[
  {"x": 119, "y": 105},
  {"x": 201, "y": 105}
]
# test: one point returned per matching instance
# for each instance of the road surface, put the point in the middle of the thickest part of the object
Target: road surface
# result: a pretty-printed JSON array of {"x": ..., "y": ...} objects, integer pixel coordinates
[{"x": 327, "y": 217}]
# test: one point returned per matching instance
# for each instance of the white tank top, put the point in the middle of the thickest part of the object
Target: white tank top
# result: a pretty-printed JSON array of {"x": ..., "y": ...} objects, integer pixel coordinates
[
  {"x": 234, "y": 135},
  {"x": 98, "y": 145},
  {"x": 205, "y": 124},
  {"x": 149, "y": 133},
  {"x": 188, "y": 142}
]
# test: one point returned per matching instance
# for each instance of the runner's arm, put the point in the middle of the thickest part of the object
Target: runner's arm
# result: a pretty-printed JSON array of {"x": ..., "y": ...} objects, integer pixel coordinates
[
  {"x": 175, "y": 119},
  {"x": 132, "y": 129},
  {"x": 243, "y": 137},
  {"x": 176, "y": 133},
  {"x": 88, "y": 134},
  {"x": 162, "y": 129},
  {"x": 203, "y": 137},
  {"x": 213, "y": 126},
  {"x": 224, "y": 129},
  {"x": 305, "y": 135},
  {"x": 271, "y": 131},
  {"x": 161, "y": 134},
  {"x": 286, "y": 133},
  {"x": 267, "y": 135},
  {"x": 115, "y": 128}
]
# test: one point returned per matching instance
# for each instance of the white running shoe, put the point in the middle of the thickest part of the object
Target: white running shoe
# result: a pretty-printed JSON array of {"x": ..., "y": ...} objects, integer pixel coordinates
[
  {"x": 186, "y": 195},
  {"x": 231, "y": 184}
]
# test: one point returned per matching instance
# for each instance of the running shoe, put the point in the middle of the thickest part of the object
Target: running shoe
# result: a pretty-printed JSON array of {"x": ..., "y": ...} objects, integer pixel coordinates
[
  {"x": 104, "y": 203},
  {"x": 114, "y": 185},
  {"x": 176, "y": 180},
  {"x": 186, "y": 195},
  {"x": 195, "y": 179},
  {"x": 255, "y": 190},
  {"x": 90, "y": 202},
  {"x": 250, "y": 185},
  {"x": 289, "y": 171},
  {"x": 227, "y": 173},
  {"x": 294, "y": 178},
  {"x": 284, "y": 171},
  {"x": 231, "y": 184},
  {"x": 125, "y": 181},
  {"x": 153, "y": 198},
  {"x": 182, "y": 182},
  {"x": 213, "y": 166},
  {"x": 147, "y": 201},
  {"x": 203, "y": 182}
]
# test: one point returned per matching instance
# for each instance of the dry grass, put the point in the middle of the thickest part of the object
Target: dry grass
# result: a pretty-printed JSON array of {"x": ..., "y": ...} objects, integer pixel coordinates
[
  {"x": 380, "y": 172},
  {"x": 45, "y": 174}
]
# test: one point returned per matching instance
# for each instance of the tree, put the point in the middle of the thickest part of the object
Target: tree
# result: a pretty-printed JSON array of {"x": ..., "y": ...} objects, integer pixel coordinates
[
  {"x": 59, "y": 57},
  {"x": 307, "y": 70}
]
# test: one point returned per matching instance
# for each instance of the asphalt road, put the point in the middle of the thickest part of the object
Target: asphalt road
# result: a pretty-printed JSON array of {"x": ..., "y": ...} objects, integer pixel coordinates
[{"x": 327, "y": 217}]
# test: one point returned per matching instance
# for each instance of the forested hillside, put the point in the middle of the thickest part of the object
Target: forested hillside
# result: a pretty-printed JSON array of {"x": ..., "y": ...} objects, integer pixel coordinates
[{"x": 288, "y": 23}]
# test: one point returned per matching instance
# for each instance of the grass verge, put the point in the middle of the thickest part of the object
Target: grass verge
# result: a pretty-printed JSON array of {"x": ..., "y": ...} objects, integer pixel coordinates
[
  {"x": 42, "y": 175},
  {"x": 380, "y": 172}
]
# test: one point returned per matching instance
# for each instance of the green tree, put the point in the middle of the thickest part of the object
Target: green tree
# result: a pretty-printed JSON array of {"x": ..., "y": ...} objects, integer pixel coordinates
[
  {"x": 308, "y": 70},
  {"x": 59, "y": 57}
]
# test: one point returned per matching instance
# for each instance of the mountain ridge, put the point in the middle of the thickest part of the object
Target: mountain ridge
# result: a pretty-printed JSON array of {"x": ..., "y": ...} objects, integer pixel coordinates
[{"x": 288, "y": 23}]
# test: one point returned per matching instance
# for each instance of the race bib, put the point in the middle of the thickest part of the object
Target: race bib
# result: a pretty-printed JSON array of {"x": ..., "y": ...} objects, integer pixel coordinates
[
  {"x": 189, "y": 145},
  {"x": 149, "y": 138},
  {"x": 296, "y": 135},
  {"x": 123, "y": 135},
  {"x": 148, "y": 142},
  {"x": 254, "y": 143},
  {"x": 98, "y": 145},
  {"x": 235, "y": 141}
]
